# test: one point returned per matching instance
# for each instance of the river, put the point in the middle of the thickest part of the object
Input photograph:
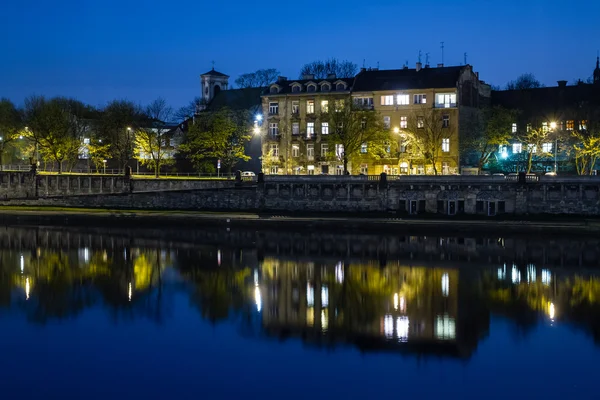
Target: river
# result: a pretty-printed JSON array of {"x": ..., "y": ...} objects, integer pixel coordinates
[{"x": 107, "y": 313}]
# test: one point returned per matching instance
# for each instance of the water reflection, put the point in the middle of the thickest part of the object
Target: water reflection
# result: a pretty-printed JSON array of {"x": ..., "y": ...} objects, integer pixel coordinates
[{"x": 413, "y": 295}]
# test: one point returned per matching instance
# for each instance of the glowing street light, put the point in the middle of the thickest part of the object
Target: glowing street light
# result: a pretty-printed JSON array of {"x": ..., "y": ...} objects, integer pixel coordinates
[
  {"x": 396, "y": 130},
  {"x": 552, "y": 125},
  {"x": 259, "y": 117}
]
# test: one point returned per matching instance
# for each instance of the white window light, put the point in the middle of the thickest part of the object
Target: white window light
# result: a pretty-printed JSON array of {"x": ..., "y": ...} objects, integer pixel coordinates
[
  {"x": 446, "y": 145},
  {"x": 402, "y": 100},
  {"x": 387, "y": 100}
]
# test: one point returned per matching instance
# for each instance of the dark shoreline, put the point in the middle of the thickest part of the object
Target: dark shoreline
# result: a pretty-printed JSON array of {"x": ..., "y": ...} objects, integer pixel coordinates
[{"x": 301, "y": 222}]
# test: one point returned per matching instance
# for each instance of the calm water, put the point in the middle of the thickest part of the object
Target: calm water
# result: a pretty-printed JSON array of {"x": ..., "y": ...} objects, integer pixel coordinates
[{"x": 124, "y": 313}]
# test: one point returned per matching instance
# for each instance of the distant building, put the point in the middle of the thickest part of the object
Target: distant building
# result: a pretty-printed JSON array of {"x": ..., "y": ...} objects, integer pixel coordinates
[
  {"x": 293, "y": 133},
  {"x": 558, "y": 110}
]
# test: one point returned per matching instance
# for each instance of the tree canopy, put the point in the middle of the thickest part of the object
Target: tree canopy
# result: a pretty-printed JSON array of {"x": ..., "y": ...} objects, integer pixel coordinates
[
  {"x": 321, "y": 69},
  {"x": 258, "y": 78},
  {"x": 524, "y": 81}
]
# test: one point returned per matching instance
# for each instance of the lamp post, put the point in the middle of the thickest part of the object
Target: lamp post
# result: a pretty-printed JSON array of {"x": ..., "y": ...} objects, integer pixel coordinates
[
  {"x": 104, "y": 163},
  {"x": 553, "y": 129}
]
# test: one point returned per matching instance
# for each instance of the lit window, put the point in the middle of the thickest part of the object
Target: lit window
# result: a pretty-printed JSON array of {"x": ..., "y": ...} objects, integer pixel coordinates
[
  {"x": 324, "y": 106},
  {"x": 420, "y": 122},
  {"x": 404, "y": 170},
  {"x": 446, "y": 100},
  {"x": 295, "y": 128},
  {"x": 310, "y": 129},
  {"x": 310, "y": 316},
  {"x": 339, "y": 105},
  {"x": 295, "y": 107},
  {"x": 547, "y": 147},
  {"x": 310, "y": 295},
  {"x": 532, "y": 148},
  {"x": 402, "y": 325},
  {"x": 420, "y": 169},
  {"x": 324, "y": 128},
  {"x": 324, "y": 149},
  {"x": 325, "y": 295},
  {"x": 295, "y": 150},
  {"x": 403, "y": 122},
  {"x": 503, "y": 150},
  {"x": 86, "y": 141},
  {"x": 445, "y": 327},
  {"x": 582, "y": 125},
  {"x": 274, "y": 170},
  {"x": 363, "y": 148},
  {"x": 339, "y": 150},
  {"x": 517, "y": 148},
  {"x": 274, "y": 108},
  {"x": 274, "y": 128},
  {"x": 310, "y": 150},
  {"x": 310, "y": 106},
  {"x": 364, "y": 169},
  {"x": 310, "y": 169},
  {"x": 545, "y": 127},
  {"x": 445, "y": 284},
  {"x": 402, "y": 99},
  {"x": 388, "y": 326},
  {"x": 446, "y": 145},
  {"x": 514, "y": 127},
  {"x": 274, "y": 150},
  {"x": 420, "y": 99},
  {"x": 387, "y": 122},
  {"x": 445, "y": 121},
  {"x": 387, "y": 100}
]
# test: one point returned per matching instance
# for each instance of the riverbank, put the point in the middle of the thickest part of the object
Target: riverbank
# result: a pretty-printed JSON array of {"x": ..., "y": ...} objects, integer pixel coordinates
[{"x": 296, "y": 221}]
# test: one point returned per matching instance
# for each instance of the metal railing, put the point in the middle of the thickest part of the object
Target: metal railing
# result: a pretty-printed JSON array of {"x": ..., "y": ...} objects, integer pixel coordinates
[{"x": 112, "y": 171}]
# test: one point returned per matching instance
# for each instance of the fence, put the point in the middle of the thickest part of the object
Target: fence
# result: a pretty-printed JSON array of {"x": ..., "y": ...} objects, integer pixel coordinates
[{"x": 112, "y": 171}]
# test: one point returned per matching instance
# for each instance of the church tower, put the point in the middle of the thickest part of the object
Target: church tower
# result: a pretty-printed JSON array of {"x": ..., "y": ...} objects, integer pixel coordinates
[
  {"x": 212, "y": 83},
  {"x": 597, "y": 71}
]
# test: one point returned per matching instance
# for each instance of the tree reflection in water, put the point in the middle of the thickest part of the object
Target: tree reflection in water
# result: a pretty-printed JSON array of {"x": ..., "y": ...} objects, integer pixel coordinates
[{"x": 409, "y": 297}]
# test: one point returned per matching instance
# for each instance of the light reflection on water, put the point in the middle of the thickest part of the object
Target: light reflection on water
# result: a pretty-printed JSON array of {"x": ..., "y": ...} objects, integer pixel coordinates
[{"x": 414, "y": 298}]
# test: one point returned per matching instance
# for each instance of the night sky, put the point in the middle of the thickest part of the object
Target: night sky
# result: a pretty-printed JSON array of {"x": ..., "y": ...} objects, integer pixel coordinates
[{"x": 138, "y": 50}]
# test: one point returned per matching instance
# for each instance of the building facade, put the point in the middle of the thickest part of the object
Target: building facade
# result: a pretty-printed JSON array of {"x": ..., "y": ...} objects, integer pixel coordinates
[
  {"x": 435, "y": 105},
  {"x": 561, "y": 114}
]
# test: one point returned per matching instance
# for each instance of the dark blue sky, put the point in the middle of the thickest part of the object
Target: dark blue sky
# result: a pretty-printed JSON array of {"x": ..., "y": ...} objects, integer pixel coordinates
[{"x": 100, "y": 50}]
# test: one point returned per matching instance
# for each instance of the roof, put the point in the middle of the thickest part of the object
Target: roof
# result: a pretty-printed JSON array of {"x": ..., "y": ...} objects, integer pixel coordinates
[
  {"x": 214, "y": 73},
  {"x": 548, "y": 101},
  {"x": 404, "y": 79},
  {"x": 286, "y": 85},
  {"x": 236, "y": 99}
]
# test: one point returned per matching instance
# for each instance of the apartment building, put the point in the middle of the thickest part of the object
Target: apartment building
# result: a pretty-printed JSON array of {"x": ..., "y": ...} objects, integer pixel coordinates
[{"x": 437, "y": 104}]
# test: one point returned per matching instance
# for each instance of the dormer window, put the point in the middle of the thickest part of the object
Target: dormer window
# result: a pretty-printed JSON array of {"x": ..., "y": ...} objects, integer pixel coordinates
[
  {"x": 296, "y": 88},
  {"x": 311, "y": 87},
  {"x": 274, "y": 90},
  {"x": 340, "y": 86},
  {"x": 326, "y": 87}
]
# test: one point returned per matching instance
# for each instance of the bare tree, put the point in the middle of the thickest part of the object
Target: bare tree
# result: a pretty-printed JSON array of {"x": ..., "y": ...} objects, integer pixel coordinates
[
  {"x": 259, "y": 78},
  {"x": 321, "y": 69},
  {"x": 525, "y": 81},
  {"x": 188, "y": 110},
  {"x": 533, "y": 140},
  {"x": 351, "y": 127},
  {"x": 424, "y": 135},
  {"x": 153, "y": 147}
]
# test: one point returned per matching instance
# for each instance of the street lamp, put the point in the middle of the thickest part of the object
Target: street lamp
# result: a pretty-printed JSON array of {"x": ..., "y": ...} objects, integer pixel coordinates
[
  {"x": 104, "y": 162},
  {"x": 396, "y": 130},
  {"x": 553, "y": 129}
]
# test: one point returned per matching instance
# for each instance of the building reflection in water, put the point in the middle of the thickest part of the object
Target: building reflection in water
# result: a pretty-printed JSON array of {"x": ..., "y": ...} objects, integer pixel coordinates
[{"x": 415, "y": 296}]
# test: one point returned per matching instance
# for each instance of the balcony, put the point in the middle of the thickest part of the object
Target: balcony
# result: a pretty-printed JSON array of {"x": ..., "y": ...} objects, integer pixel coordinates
[{"x": 445, "y": 105}]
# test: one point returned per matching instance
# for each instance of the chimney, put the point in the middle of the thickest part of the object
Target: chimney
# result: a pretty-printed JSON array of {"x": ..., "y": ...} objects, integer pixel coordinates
[
  {"x": 308, "y": 76},
  {"x": 281, "y": 79},
  {"x": 562, "y": 83},
  {"x": 331, "y": 76},
  {"x": 363, "y": 69},
  {"x": 440, "y": 65},
  {"x": 419, "y": 66},
  {"x": 405, "y": 66},
  {"x": 477, "y": 75}
]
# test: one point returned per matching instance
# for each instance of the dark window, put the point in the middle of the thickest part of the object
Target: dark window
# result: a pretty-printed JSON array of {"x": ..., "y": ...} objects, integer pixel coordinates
[
  {"x": 440, "y": 206},
  {"x": 421, "y": 206},
  {"x": 402, "y": 206},
  {"x": 479, "y": 206},
  {"x": 461, "y": 206},
  {"x": 501, "y": 207}
]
